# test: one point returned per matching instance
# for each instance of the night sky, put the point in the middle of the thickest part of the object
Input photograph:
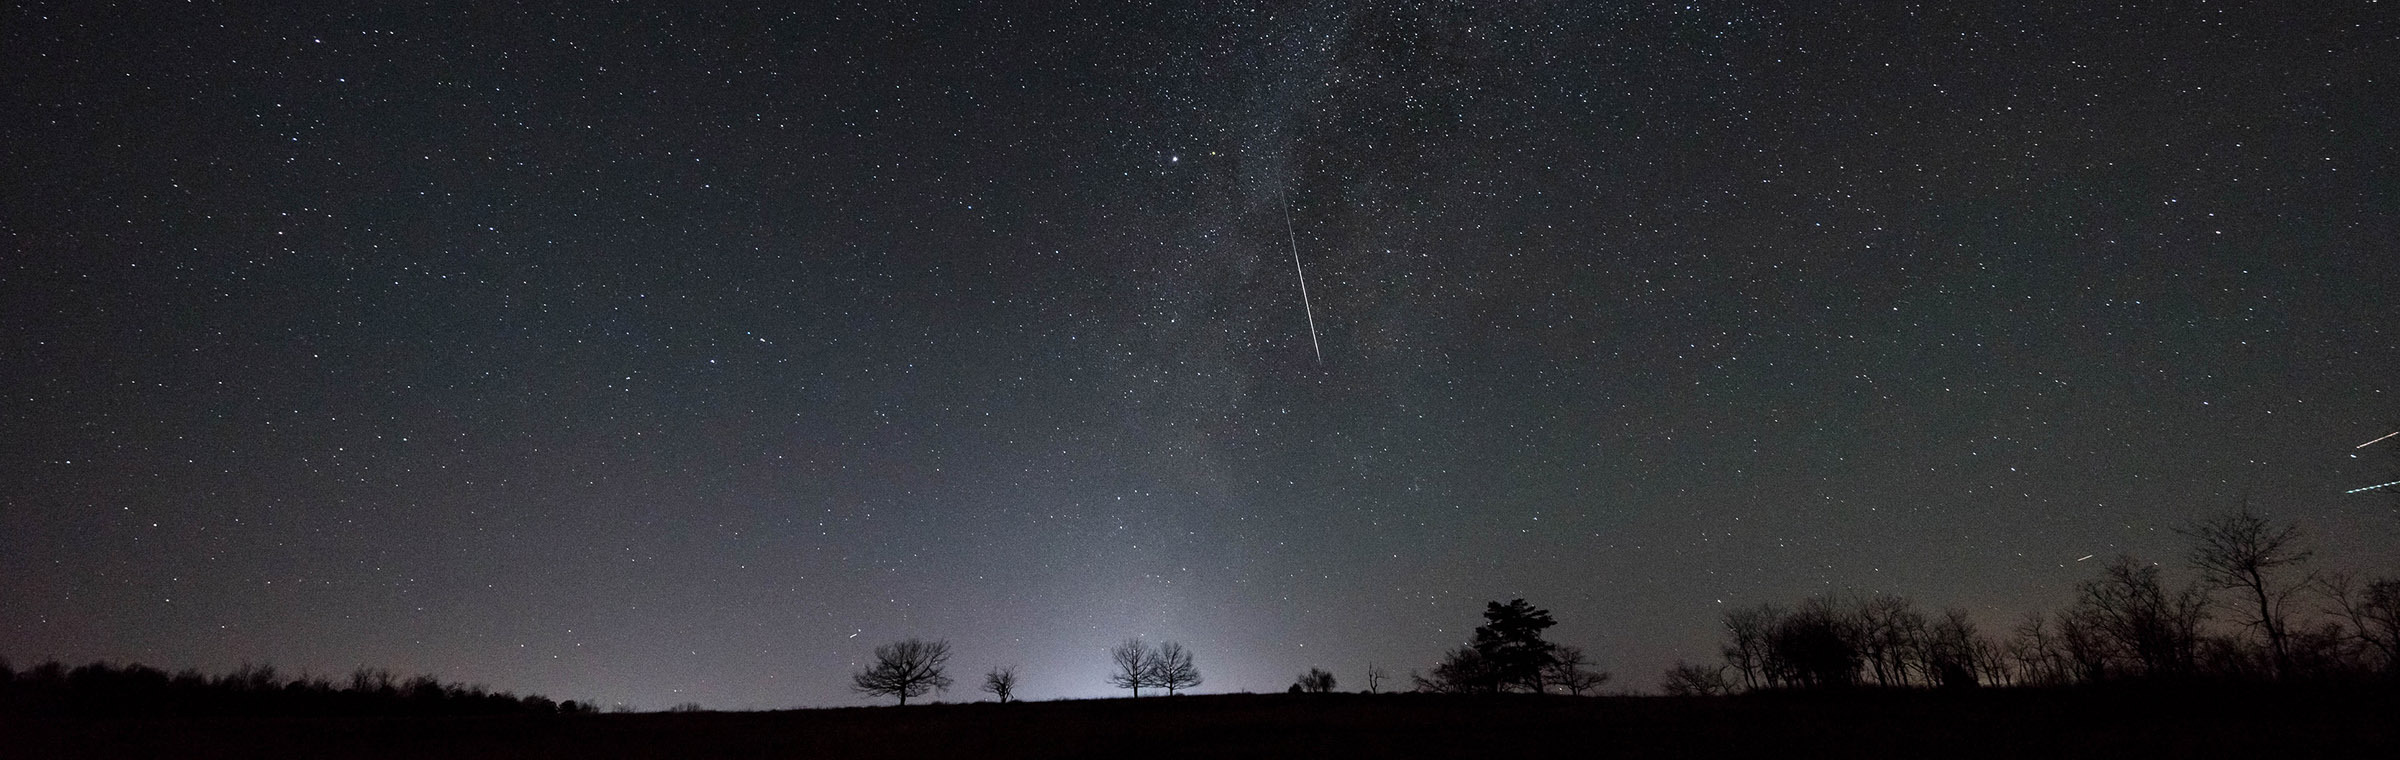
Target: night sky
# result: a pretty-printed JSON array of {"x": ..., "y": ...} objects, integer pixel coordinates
[{"x": 648, "y": 354}]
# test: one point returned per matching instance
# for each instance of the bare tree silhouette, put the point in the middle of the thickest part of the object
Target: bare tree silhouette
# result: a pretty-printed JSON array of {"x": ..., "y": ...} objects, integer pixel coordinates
[
  {"x": 1890, "y": 634},
  {"x": 2374, "y": 614},
  {"x": 1566, "y": 670},
  {"x": 1952, "y": 652},
  {"x": 2038, "y": 653},
  {"x": 1685, "y": 679},
  {"x": 2150, "y": 630},
  {"x": 1747, "y": 651},
  {"x": 2241, "y": 552},
  {"x": 2126, "y": 624},
  {"x": 907, "y": 668},
  {"x": 1461, "y": 671},
  {"x": 1376, "y": 675},
  {"x": 1002, "y": 683},
  {"x": 1136, "y": 665},
  {"x": 1173, "y": 669},
  {"x": 2091, "y": 655}
]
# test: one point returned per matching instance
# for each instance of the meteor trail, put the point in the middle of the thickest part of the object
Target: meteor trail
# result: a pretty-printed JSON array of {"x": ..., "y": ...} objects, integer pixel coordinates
[
  {"x": 2376, "y": 441},
  {"x": 2373, "y": 487},
  {"x": 1310, "y": 310}
]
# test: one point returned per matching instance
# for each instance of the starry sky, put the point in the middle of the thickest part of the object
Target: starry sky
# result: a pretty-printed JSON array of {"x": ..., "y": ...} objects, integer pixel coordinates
[{"x": 648, "y": 353}]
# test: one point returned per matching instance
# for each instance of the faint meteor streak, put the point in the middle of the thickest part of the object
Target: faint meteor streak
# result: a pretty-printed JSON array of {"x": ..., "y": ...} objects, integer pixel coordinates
[
  {"x": 2376, "y": 441},
  {"x": 2084, "y": 557},
  {"x": 1310, "y": 310},
  {"x": 2373, "y": 487}
]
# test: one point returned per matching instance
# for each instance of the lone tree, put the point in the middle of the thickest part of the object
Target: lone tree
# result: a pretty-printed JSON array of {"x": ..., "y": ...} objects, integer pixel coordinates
[
  {"x": 1376, "y": 675},
  {"x": 904, "y": 669},
  {"x": 1137, "y": 665},
  {"x": 1315, "y": 681},
  {"x": 1002, "y": 683},
  {"x": 1567, "y": 669},
  {"x": 1510, "y": 641},
  {"x": 2241, "y": 552},
  {"x": 1172, "y": 669}
]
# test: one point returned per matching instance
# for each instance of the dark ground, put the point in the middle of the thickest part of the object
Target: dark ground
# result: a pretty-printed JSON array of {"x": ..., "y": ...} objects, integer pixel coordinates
[{"x": 2086, "y": 723}]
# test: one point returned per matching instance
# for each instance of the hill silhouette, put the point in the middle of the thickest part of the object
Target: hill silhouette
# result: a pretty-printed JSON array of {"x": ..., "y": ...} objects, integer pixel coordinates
[{"x": 2083, "y": 722}]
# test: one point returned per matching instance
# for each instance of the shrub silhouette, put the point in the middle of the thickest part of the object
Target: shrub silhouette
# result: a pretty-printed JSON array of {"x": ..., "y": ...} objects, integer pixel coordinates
[
  {"x": 108, "y": 690},
  {"x": 1689, "y": 680},
  {"x": 1315, "y": 681}
]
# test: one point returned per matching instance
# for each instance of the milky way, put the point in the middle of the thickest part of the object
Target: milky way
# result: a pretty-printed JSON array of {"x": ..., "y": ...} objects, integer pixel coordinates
[{"x": 652, "y": 355}]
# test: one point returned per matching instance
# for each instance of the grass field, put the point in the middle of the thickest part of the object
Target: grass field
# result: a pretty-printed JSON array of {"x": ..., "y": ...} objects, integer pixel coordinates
[{"x": 1992, "y": 723}]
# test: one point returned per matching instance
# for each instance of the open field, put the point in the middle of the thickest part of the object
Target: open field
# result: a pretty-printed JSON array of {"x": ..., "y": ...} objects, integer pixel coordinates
[{"x": 2087, "y": 723}]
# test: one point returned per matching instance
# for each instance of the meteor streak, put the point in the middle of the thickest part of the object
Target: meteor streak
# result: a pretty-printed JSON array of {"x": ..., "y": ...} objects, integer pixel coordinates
[
  {"x": 2373, "y": 487},
  {"x": 2376, "y": 441},
  {"x": 1310, "y": 310}
]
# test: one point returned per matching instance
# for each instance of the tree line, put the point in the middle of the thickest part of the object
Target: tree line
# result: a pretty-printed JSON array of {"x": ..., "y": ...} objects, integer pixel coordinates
[
  {"x": 1507, "y": 654},
  {"x": 106, "y": 690},
  {"x": 2282, "y": 622},
  {"x": 2275, "y": 619},
  {"x": 915, "y": 667},
  {"x": 2279, "y": 621}
]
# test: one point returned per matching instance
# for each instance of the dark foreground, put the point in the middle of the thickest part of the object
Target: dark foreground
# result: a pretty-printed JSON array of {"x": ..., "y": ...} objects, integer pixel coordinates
[{"x": 2015, "y": 724}]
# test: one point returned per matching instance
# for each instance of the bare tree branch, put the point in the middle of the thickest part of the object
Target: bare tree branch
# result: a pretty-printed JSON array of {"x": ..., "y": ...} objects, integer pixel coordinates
[
  {"x": 1136, "y": 662},
  {"x": 1173, "y": 669},
  {"x": 1002, "y": 683},
  {"x": 2241, "y": 552},
  {"x": 905, "y": 669}
]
